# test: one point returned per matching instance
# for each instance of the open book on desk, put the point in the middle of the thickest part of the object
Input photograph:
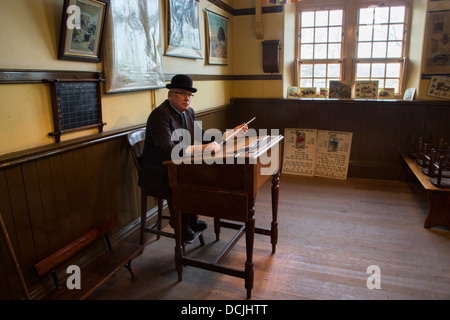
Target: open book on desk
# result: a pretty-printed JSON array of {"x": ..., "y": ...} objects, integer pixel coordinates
[{"x": 252, "y": 145}]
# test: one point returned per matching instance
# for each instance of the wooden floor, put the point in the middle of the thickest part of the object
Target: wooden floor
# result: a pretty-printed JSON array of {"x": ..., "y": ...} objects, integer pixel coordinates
[{"x": 330, "y": 232}]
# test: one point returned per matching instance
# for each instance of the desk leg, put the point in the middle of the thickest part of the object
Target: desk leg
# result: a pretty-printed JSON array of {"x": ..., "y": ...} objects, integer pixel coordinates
[
  {"x": 249, "y": 240},
  {"x": 176, "y": 221},
  {"x": 274, "y": 225}
]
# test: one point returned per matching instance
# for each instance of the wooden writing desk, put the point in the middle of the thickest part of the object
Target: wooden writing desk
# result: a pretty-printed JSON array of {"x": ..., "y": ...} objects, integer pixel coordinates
[
  {"x": 438, "y": 198},
  {"x": 226, "y": 191}
]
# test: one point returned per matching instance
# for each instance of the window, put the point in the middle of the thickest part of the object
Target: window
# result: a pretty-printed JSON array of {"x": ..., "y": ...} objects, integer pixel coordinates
[
  {"x": 320, "y": 47},
  {"x": 376, "y": 43},
  {"x": 380, "y": 45}
]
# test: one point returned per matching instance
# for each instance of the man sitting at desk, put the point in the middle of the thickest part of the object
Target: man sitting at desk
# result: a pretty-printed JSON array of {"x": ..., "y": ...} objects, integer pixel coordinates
[{"x": 174, "y": 113}]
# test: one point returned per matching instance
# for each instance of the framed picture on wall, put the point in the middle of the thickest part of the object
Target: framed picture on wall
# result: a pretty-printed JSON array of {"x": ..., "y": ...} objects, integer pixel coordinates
[
  {"x": 183, "y": 36},
  {"x": 216, "y": 38},
  {"x": 82, "y": 30}
]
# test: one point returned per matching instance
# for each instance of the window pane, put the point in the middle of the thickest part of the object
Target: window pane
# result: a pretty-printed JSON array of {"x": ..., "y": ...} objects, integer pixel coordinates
[
  {"x": 320, "y": 70},
  {"x": 306, "y": 70},
  {"x": 334, "y": 70},
  {"x": 380, "y": 83},
  {"x": 306, "y": 51},
  {"x": 366, "y": 16},
  {"x": 380, "y": 32},
  {"x": 394, "y": 50},
  {"x": 363, "y": 70},
  {"x": 321, "y": 18},
  {"x": 307, "y": 35},
  {"x": 336, "y": 18},
  {"x": 382, "y": 15},
  {"x": 397, "y": 14},
  {"x": 378, "y": 70},
  {"x": 379, "y": 50},
  {"x": 306, "y": 83},
  {"x": 365, "y": 33},
  {"x": 393, "y": 70},
  {"x": 393, "y": 83},
  {"x": 396, "y": 32},
  {"x": 319, "y": 83},
  {"x": 307, "y": 19},
  {"x": 320, "y": 51},
  {"x": 321, "y": 35},
  {"x": 335, "y": 34},
  {"x": 364, "y": 50},
  {"x": 334, "y": 51}
]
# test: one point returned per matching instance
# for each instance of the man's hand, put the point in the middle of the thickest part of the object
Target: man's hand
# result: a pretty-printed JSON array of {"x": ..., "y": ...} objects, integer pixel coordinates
[
  {"x": 212, "y": 147},
  {"x": 243, "y": 131}
]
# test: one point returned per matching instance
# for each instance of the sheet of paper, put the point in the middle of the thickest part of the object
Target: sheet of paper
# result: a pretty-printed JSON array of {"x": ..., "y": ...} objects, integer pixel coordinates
[
  {"x": 333, "y": 154},
  {"x": 299, "y": 151}
]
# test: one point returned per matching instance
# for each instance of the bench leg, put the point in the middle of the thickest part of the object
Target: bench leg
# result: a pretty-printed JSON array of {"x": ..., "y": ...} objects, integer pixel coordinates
[
  {"x": 439, "y": 209},
  {"x": 128, "y": 266}
]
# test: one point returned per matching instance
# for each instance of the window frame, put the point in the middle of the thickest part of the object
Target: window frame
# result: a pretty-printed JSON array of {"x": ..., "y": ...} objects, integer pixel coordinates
[
  {"x": 349, "y": 47},
  {"x": 299, "y": 61}
]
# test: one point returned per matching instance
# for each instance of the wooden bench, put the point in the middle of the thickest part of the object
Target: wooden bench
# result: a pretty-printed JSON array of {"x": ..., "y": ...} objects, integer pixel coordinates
[
  {"x": 97, "y": 272},
  {"x": 438, "y": 198}
]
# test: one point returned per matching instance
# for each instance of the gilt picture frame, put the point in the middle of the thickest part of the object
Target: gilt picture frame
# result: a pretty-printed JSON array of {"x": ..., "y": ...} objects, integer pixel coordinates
[
  {"x": 183, "y": 29},
  {"x": 82, "y": 30}
]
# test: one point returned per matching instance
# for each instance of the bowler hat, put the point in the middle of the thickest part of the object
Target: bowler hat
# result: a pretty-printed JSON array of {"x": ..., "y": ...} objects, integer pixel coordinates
[{"x": 181, "y": 81}]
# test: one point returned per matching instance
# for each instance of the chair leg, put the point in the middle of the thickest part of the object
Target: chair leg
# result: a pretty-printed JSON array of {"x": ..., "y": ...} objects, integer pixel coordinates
[{"x": 143, "y": 215}]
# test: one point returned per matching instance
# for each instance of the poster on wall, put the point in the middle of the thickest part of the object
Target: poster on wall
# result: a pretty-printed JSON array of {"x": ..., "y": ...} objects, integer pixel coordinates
[
  {"x": 183, "y": 34},
  {"x": 437, "y": 54},
  {"x": 439, "y": 87},
  {"x": 133, "y": 59},
  {"x": 216, "y": 38}
]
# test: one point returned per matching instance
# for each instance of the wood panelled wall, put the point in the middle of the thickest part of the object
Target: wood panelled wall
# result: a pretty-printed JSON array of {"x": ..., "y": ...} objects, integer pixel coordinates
[
  {"x": 381, "y": 129},
  {"x": 51, "y": 195}
]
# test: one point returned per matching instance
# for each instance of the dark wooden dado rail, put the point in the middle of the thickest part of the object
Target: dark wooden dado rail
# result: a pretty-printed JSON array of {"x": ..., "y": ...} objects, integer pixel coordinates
[
  {"x": 382, "y": 129},
  {"x": 51, "y": 195}
]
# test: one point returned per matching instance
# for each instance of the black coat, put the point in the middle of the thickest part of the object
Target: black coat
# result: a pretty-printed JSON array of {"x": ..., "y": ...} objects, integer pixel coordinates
[{"x": 161, "y": 123}]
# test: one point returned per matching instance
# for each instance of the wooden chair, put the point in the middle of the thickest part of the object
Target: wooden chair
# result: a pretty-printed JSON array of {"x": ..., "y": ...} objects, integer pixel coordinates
[
  {"x": 431, "y": 157},
  {"x": 440, "y": 177},
  {"x": 136, "y": 143}
]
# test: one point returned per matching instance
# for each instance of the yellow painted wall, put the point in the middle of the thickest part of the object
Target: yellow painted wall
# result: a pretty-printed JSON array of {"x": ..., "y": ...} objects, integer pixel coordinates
[
  {"x": 249, "y": 50},
  {"x": 30, "y": 39},
  {"x": 430, "y": 6}
]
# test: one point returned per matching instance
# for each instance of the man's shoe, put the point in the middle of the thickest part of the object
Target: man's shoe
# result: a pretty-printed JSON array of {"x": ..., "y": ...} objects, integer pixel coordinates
[
  {"x": 187, "y": 234},
  {"x": 196, "y": 224}
]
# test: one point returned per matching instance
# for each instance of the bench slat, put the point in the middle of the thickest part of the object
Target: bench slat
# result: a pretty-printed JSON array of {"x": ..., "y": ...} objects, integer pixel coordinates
[
  {"x": 69, "y": 250},
  {"x": 99, "y": 272}
]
